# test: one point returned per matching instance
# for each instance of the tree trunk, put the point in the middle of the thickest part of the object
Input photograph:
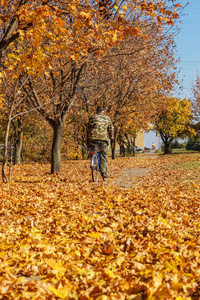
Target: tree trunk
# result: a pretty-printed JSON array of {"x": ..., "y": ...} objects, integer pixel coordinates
[
  {"x": 114, "y": 144},
  {"x": 5, "y": 152},
  {"x": 167, "y": 148},
  {"x": 166, "y": 142},
  {"x": 133, "y": 143},
  {"x": 18, "y": 149},
  {"x": 121, "y": 145},
  {"x": 122, "y": 150},
  {"x": 18, "y": 143},
  {"x": 56, "y": 147}
]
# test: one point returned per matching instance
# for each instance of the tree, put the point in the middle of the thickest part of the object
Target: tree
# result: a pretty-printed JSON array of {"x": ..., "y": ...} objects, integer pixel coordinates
[
  {"x": 57, "y": 89},
  {"x": 174, "y": 121}
]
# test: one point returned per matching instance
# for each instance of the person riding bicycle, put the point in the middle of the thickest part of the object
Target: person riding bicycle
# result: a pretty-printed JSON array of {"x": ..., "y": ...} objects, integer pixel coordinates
[{"x": 100, "y": 129}]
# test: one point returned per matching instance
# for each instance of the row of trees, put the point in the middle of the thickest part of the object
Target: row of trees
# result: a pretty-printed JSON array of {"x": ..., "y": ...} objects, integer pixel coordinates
[{"x": 60, "y": 60}]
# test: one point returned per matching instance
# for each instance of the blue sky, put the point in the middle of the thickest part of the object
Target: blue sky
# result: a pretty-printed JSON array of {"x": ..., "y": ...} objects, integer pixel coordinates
[
  {"x": 188, "y": 49},
  {"x": 188, "y": 45}
]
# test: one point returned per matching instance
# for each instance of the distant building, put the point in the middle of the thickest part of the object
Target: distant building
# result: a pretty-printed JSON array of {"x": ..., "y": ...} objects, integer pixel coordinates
[{"x": 139, "y": 141}]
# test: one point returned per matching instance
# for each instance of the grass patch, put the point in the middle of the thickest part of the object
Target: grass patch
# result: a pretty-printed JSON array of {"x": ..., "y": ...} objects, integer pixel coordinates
[
  {"x": 190, "y": 165},
  {"x": 187, "y": 173},
  {"x": 176, "y": 150}
]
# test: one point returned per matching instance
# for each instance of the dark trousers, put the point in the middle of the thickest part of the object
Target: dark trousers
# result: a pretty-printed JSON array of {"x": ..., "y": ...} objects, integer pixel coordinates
[{"x": 103, "y": 157}]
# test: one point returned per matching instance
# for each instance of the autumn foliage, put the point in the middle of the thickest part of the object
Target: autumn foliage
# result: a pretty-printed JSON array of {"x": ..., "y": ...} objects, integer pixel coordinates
[
  {"x": 174, "y": 120},
  {"x": 64, "y": 237},
  {"x": 48, "y": 27},
  {"x": 135, "y": 237}
]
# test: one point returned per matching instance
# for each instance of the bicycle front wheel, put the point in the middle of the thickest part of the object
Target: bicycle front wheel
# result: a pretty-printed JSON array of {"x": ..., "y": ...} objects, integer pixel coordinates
[{"x": 95, "y": 167}]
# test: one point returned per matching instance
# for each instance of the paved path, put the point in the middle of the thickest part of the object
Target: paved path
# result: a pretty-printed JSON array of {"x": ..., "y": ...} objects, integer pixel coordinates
[
  {"x": 128, "y": 177},
  {"x": 131, "y": 176}
]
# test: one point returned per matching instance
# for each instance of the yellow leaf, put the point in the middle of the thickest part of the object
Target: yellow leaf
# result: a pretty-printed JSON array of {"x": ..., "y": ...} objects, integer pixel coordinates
[
  {"x": 153, "y": 15},
  {"x": 102, "y": 297},
  {"x": 161, "y": 293},
  {"x": 2, "y": 254},
  {"x": 146, "y": 272},
  {"x": 78, "y": 24},
  {"x": 85, "y": 15},
  {"x": 73, "y": 7},
  {"x": 56, "y": 266},
  {"x": 114, "y": 37},
  {"x": 94, "y": 235},
  {"x": 109, "y": 273},
  {"x": 171, "y": 266},
  {"x": 157, "y": 280},
  {"x": 124, "y": 7},
  {"x": 106, "y": 229},
  {"x": 58, "y": 293},
  {"x": 75, "y": 254}
]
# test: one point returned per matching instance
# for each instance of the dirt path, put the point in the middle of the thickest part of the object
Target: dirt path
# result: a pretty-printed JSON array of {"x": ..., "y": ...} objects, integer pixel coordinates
[{"x": 128, "y": 177}]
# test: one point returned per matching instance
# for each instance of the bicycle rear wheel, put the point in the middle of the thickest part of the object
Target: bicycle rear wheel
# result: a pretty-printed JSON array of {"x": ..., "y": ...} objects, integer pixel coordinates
[{"x": 95, "y": 167}]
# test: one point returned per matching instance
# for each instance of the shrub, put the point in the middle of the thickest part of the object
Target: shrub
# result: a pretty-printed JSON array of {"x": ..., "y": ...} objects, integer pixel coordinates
[
  {"x": 193, "y": 144},
  {"x": 176, "y": 145}
]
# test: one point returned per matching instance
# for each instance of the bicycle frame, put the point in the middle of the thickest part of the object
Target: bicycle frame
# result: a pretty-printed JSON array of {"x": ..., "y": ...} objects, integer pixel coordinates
[{"x": 95, "y": 163}]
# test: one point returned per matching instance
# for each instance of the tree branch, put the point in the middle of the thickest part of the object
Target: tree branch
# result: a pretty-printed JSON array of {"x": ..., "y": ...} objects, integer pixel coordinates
[{"x": 36, "y": 103}]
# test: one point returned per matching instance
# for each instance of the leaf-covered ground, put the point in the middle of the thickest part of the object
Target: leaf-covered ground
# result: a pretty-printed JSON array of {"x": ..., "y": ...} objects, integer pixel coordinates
[{"x": 64, "y": 237}]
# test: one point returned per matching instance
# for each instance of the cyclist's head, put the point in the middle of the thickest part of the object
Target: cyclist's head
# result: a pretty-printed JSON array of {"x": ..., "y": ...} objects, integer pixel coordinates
[{"x": 100, "y": 109}]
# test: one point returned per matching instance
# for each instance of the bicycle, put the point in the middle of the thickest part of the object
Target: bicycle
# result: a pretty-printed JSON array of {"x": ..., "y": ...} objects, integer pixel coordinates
[{"x": 94, "y": 165}]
